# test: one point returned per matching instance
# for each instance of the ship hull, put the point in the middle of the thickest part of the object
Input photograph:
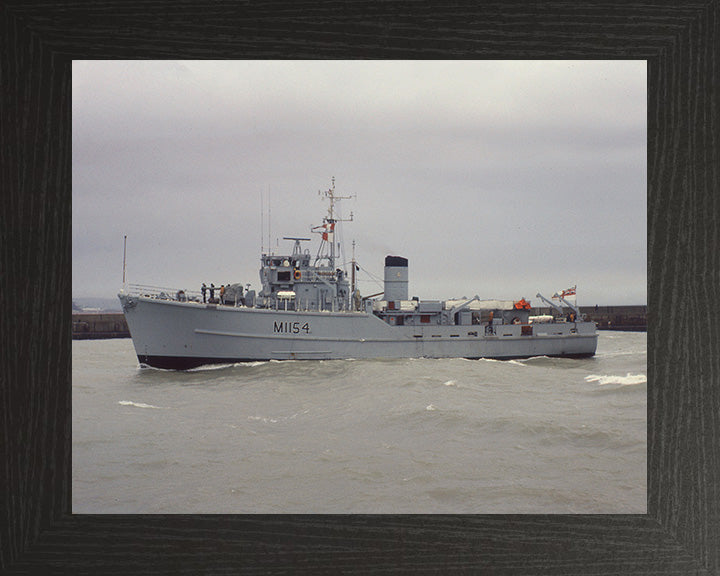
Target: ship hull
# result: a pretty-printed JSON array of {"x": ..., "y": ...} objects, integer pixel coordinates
[{"x": 183, "y": 335}]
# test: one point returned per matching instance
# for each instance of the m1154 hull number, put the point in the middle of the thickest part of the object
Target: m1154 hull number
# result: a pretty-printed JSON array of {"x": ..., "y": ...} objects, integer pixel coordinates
[{"x": 291, "y": 327}]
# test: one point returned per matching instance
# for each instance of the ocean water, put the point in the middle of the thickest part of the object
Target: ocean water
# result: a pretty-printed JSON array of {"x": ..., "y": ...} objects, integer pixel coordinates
[{"x": 456, "y": 436}]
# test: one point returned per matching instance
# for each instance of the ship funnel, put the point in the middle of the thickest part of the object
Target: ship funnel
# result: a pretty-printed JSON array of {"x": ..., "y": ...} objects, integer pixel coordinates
[{"x": 396, "y": 278}]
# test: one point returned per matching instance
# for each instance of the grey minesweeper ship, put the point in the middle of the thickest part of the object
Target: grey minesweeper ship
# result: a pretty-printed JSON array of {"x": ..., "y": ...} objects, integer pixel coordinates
[{"x": 309, "y": 310}]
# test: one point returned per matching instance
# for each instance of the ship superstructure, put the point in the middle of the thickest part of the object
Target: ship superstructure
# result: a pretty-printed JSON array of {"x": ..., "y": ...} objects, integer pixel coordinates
[
  {"x": 299, "y": 281},
  {"x": 308, "y": 308}
]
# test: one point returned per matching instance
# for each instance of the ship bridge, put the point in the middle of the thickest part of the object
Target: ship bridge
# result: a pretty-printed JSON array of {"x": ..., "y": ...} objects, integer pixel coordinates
[{"x": 299, "y": 282}]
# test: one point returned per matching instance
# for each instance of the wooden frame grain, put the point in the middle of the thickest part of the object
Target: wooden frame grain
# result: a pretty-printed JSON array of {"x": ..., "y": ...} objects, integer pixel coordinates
[{"x": 680, "y": 534}]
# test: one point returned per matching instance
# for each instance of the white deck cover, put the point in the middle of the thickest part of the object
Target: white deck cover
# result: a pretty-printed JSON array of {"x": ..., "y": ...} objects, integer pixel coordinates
[{"x": 481, "y": 304}]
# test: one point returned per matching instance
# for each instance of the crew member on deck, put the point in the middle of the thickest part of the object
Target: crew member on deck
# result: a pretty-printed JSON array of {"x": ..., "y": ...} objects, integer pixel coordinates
[
  {"x": 222, "y": 294},
  {"x": 212, "y": 291},
  {"x": 203, "y": 290}
]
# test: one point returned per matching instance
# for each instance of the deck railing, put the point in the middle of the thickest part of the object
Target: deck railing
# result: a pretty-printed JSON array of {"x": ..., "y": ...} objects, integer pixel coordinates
[
  {"x": 178, "y": 294},
  {"x": 166, "y": 293}
]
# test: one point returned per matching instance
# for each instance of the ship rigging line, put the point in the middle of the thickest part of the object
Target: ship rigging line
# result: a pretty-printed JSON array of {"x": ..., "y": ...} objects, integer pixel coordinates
[{"x": 374, "y": 278}]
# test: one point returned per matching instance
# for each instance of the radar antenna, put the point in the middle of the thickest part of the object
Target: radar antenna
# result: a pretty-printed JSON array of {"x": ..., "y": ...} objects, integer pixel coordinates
[{"x": 327, "y": 228}]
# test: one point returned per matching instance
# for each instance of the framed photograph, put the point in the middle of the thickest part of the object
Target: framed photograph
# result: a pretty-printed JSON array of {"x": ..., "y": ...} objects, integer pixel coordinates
[{"x": 677, "y": 532}]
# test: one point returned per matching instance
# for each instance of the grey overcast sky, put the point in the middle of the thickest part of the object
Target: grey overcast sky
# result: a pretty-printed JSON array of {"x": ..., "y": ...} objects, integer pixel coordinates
[{"x": 496, "y": 178}]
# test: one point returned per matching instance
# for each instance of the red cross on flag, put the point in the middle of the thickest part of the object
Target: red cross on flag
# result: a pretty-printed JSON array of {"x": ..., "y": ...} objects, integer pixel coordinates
[{"x": 329, "y": 231}]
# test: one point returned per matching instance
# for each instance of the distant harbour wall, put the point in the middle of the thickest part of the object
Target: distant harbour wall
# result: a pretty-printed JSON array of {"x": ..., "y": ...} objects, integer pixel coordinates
[
  {"x": 622, "y": 318},
  {"x": 625, "y": 318},
  {"x": 95, "y": 326}
]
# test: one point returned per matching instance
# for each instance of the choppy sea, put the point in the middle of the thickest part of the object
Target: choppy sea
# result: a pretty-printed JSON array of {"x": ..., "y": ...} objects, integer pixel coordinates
[{"x": 541, "y": 435}]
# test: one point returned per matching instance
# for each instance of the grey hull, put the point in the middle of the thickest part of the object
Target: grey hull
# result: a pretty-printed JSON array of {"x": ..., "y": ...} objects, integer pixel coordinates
[{"x": 182, "y": 335}]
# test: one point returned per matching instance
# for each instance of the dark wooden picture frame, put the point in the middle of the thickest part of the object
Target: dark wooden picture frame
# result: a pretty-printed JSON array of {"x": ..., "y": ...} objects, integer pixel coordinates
[{"x": 680, "y": 534}]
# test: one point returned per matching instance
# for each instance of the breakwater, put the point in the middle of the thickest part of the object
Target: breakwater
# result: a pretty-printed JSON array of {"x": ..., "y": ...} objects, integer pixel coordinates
[
  {"x": 90, "y": 326},
  {"x": 623, "y": 318}
]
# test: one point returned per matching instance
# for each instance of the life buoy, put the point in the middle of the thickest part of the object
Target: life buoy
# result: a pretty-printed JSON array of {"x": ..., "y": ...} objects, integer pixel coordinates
[{"x": 297, "y": 274}]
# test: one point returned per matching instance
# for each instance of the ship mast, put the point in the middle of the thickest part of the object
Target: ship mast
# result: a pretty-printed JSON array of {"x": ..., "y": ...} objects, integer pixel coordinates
[
  {"x": 327, "y": 228},
  {"x": 352, "y": 274}
]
